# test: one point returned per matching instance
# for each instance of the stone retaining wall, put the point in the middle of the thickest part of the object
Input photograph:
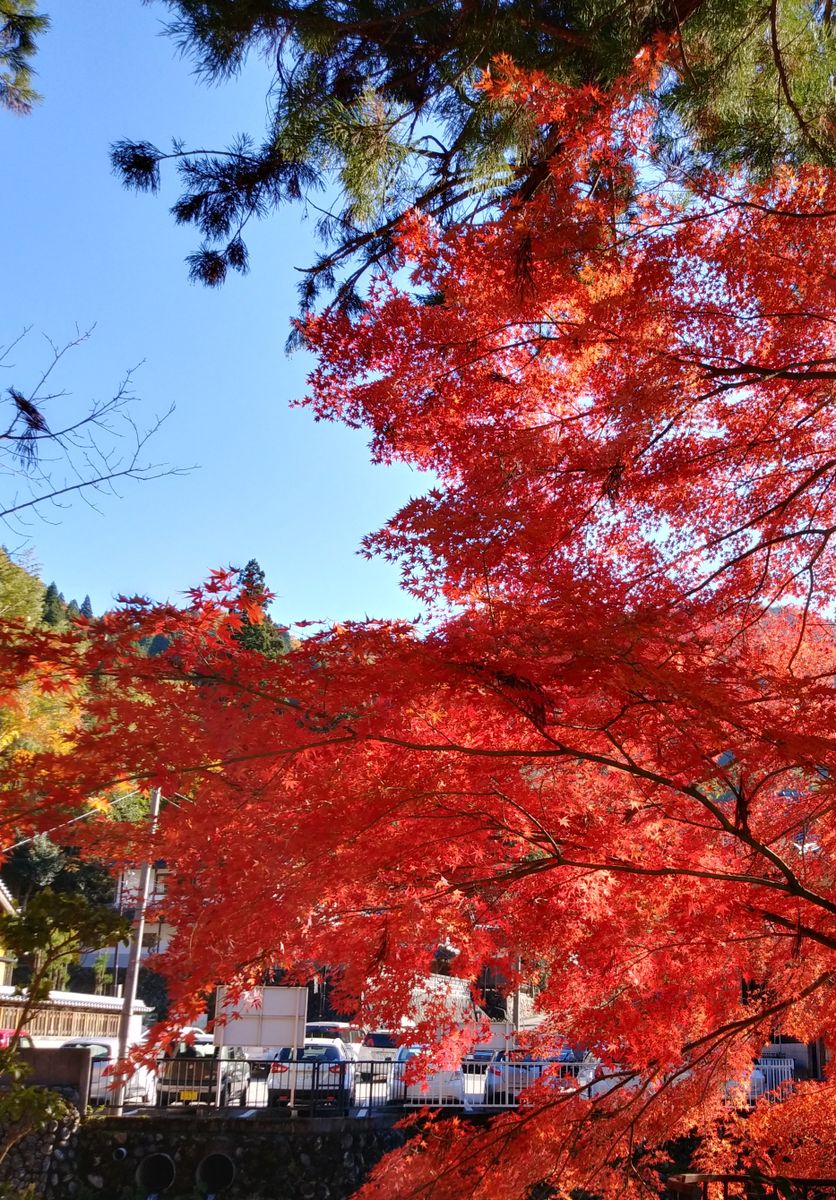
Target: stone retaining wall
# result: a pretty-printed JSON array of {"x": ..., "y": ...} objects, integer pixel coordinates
[
  {"x": 33, "y": 1161},
  {"x": 314, "y": 1159}
]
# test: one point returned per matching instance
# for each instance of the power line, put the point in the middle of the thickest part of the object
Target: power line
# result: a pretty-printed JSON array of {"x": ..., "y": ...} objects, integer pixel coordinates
[{"x": 72, "y": 821}]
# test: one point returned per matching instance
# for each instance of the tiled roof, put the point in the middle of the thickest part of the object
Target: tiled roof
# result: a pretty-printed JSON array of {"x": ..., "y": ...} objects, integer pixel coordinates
[
  {"x": 75, "y": 1000},
  {"x": 6, "y": 900}
]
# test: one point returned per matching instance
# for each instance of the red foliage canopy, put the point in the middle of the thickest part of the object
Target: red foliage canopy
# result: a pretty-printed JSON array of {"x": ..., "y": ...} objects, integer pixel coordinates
[{"x": 611, "y": 751}]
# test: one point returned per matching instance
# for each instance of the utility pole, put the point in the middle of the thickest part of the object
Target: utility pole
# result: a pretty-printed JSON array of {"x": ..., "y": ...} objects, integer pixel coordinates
[
  {"x": 132, "y": 970},
  {"x": 515, "y": 1011}
]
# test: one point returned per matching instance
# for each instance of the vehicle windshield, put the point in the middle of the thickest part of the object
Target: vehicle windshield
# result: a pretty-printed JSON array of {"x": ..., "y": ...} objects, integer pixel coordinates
[
  {"x": 383, "y": 1041},
  {"x": 309, "y": 1054},
  {"x": 563, "y": 1055},
  {"x": 407, "y": 1052},
  {"x": 98, "y": 1050},
  {"x": 193, "y": 1050}
]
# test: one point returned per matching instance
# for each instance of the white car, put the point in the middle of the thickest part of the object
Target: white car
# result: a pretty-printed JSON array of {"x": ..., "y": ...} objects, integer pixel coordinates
[
  {"x": 318, "y": 1075},
  {"x": 350, "y": 1035},
  {"x": 379, "y": 1048},
  {"x": 437, "y": 1088},
  {"x": 140, "y": 1088}
]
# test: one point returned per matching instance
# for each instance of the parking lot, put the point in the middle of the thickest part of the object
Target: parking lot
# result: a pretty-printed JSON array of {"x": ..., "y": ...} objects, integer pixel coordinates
[
  {"x": 325, "y": 1078},
  {"x": 353, "y": 1086}
]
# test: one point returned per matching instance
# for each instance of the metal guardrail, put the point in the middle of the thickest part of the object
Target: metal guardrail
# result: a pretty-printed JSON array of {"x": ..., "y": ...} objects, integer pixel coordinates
[
  {"x": 359, "y": 1087},
  {"x": 771, "y": 1079},
  {"x": 363, "y": 1086},
  {"x": 749, "y": 1187}
]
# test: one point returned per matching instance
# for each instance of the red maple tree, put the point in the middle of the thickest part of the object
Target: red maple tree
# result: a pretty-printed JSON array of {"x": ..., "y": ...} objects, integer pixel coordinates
[{"x": 610, "y": 750}]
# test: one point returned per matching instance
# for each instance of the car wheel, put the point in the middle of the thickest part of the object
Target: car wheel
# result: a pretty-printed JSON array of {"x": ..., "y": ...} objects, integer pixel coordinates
[{"x": 163, "y": 1101}]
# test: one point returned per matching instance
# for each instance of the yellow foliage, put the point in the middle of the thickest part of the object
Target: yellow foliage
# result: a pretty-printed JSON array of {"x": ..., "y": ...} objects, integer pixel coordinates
[{"x": 37, "y": 721}]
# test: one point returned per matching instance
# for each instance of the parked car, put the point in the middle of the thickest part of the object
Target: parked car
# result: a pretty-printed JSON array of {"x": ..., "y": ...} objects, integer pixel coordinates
[
  {"x": 319, "y": 1074},
  {"x": 192, "y": 1072},
  {"x": 379, "y": 1048},
  {"x": 438, "y": 1088},
  {"x": 24, "y": 1041},
  {"x": 140, "y": 1088},
  {"x": 511, "y": 1071},
  {"x": 351, "y": 1035},
  {"x": 478, "y": 1061},
  {"x": 259, "y": 1058},
  {"x": 194, "y": 1031}
]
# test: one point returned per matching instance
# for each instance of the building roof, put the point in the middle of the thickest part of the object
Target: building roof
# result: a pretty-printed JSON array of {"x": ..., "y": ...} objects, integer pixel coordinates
[
  {"x": 7, "y": 903},
  {"x": 9, "y": 994}
]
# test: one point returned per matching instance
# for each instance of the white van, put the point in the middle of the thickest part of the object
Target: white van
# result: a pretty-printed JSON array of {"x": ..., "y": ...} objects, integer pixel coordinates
[{"x": 351, "y": 1035}]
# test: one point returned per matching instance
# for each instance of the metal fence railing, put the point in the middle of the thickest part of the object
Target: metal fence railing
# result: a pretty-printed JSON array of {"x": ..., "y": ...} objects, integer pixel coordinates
[
  {"x": 506, "y": 1080},
  {"x": 749, "y": 1187},
  {"x": 356, "y": 1086},
  {"x": 772, "y": 1077},
  {"x": 771, "y": 1080},
  {"x": 360, "y": 1087}
]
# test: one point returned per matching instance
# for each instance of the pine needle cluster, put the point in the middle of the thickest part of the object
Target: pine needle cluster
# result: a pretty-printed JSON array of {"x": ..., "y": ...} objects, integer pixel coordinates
[
  {"x": 376, "y": 100},
  {"x": 20, "y": 27}
]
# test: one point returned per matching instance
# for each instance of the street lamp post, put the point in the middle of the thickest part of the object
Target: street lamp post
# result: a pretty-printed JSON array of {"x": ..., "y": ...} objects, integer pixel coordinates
[
  {"x": 515, "y": 1010},
  {"x": 132, "y": 970}
]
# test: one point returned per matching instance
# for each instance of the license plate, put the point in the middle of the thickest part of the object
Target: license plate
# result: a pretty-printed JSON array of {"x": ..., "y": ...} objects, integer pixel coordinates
[{"x": 188, "y": 1095}]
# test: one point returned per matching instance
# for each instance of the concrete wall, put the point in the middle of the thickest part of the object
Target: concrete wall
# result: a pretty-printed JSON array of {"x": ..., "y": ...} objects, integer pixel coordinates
[{"x": 66, "y": 1070}]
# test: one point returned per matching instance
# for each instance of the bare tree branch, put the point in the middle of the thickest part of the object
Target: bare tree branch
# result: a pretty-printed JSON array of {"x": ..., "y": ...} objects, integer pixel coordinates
[{"x": 51, "y": 452}]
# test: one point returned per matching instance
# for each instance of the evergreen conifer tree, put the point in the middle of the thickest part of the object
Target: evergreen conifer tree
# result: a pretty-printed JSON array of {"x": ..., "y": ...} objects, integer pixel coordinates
[
  {"x": 86, "y": 609},
  {"x": 54, "y": 609},
  {"x": 40, "y": 862},
  {"x": 20, "y": 25},
  {"x": 152, "y": 646},
  {"x": 266, "y": 637},
  {"x": 253, "y": 580},
  {"x": 378, "y": 97}
]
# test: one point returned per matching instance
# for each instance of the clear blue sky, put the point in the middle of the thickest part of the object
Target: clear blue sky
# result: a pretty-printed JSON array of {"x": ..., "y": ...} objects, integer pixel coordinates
[{"x": 79, "y": 250}]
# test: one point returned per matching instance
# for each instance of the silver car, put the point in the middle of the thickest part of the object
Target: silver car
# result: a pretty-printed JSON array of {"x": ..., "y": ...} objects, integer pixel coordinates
[
  {"x": 140, "y": 1088},
  {"x": 199, "y": 1072},
  {"x": 512, "y": 1071}
]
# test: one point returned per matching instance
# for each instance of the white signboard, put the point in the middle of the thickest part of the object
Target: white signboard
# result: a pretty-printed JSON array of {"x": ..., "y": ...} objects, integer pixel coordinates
[
  {"x": 266, "y": 1016},
  {"x": 502, "y": 1036}
]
